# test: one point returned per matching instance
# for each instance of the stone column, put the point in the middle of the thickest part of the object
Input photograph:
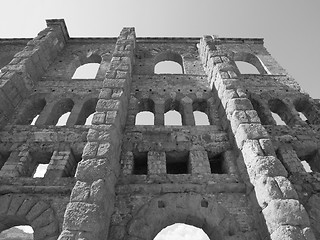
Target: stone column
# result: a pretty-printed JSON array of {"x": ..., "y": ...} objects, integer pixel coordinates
[
  {"x": 199, "y": 162},
  {"x": 159, "y": 112},
  {"x": 91, "y": 205},
  {"x": 275, "y": 193}
]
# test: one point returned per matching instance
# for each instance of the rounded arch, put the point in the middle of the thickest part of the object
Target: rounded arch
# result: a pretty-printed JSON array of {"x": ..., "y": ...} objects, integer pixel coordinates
[
  {"x": 31, "y": 109},
  {"x": 250, "y": 58},
  {"x": 309, "y": 110},
  {"x": 22, "y": 209},
  {"x": 189, "y": 208},
  {"x": 201, "y": 112},
  {"x": 168, "y": 56},
  {"x": 59, "y": 108},
  {"x": 89, "y": 63},
  {"x": 88, "y": 107},
  {"x": 279, "y": 107}
]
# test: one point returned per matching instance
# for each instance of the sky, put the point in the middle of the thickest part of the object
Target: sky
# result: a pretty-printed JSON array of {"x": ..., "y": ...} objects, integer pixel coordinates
[{"x": 290, "y": 28}]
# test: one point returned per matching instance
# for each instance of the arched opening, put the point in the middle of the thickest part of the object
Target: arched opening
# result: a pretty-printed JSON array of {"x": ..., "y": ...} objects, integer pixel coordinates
[
  {"x": 246, "y": 68},
  {"x": 89, "y": 119},
  {"x": 172, "y": 118},
  {"x": 306, "y": 166},
  {"x": 278, "y": 119},
  {"x": 24, "y": 232},
  {"x": 168, "y": 63},
  {"x": 200, "y": 118},
  {"x": 280, "y": 112},
  {"x": 168, "y": 67},
  {"x": 31, "y": 111},
  {"x": 200, "y": 112},
  {"x": 181, "y": 231},
  {"x": 172, "y": 114},
  {"x": 86, "y": 71},
  {"x": 34, "y": 120},
  {"x": 62, "y": 121},
  {"x": 60, "y": 112},
  {"x": 255, "y": 65},
  {"x": 88, "y": 109},
  {"x": 144, "y": 118},
  {"x": 307, "y": 111}
]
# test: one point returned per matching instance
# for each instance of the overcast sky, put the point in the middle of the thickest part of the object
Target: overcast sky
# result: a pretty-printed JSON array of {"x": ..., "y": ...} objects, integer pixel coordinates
[{"x": 290, "y": 28}]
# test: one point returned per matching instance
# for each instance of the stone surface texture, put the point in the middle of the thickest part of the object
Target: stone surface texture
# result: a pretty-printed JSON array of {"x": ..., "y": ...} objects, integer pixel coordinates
[{"x": 240, "y": 177}]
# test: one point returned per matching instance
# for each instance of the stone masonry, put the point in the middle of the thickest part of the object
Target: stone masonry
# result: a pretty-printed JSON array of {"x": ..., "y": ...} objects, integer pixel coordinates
[{"x": 240, "y": 177}]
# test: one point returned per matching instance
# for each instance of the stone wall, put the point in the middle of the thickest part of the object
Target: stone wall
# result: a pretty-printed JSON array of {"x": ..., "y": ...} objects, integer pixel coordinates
[{"x": 239, "y": 177}]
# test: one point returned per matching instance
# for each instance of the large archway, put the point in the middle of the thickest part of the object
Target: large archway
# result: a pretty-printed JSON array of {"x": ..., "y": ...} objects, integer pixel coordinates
[
  {"x": 188, "y": 208},
  {"x": 22, "y": 209}
]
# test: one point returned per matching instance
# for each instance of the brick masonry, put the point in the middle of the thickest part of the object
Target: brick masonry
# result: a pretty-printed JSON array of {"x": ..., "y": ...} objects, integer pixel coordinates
[{"x": 240, "y": 177}]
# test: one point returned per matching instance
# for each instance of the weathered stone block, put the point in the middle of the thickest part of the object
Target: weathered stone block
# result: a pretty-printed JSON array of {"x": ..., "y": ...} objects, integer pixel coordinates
[
  {"x": 250, "y": 131},
  {"x": 106, "y": 105},
  {"x": 81, "y": 216},
  {"x": 90, "y": 150},
  {"x": 285, "y": 212}
]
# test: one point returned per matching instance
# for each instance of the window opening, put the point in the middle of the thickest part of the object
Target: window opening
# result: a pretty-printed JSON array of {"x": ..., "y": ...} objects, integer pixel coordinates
[
  {"x": 306, "y": 166},
  {"x": 34, "y": 120},
  {"x": 168, "y": 67},
  {"x": 89, "y": 119},
  {"x": 144, "y": 118},
  {"x": 216, "y": 162},
  {"x": 246, "y": 68},
  {"x": 172, "y": 117},
  {"x": 140, "y": 163},
  {"x": 278, "y": 119},
  {"x": 40, "y": 164},
  {"x": 200, "y": 118},
  {"x": 181, "y": 231},
  {"x": 302, "y": 116},
  {"x": 63, "y": 119},
  {"x": 177, "y": 162},
  {"x": 18, "y": 232},
  {"x": 40, "y": 170},
  {"x": 86, "y": 71}
]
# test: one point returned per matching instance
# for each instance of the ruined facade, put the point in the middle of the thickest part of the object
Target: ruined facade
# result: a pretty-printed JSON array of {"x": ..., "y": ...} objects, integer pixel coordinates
[{"x": 240, "y": 177}]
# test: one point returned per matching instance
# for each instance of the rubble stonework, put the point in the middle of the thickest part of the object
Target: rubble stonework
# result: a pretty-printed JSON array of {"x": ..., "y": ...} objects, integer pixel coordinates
[{"x": 240, "y": 177}]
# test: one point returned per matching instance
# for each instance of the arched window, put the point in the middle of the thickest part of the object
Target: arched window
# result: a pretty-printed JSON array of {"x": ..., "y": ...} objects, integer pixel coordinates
[
  {"x": 172, "y": 117},
  {"x": 144, "y": 118},
  {"x": 89, "y": 119},
  {"x": 246, "y": 68},
  {"x": 279, "y": 111},
  {"x": 31, "y": 111},
  {"x": 278, "y": 119},
  {"x": 181, "y": 231},
  {"x": 172, "y": 114},
  {"x": 88, "y": 108},
  {"x": 88, "y": 67},
  {"x": 18, "y": 232},
  {"x": 62, "y": 121},
  {"x": 146, "y": 112},
  {"x": 168, "y": 63},
  {"x": 86, "y": 71},
  {"x": 168, "y": 67},
  {"x": 200, "y": 112},
  {"x": 60, "y": 112},
  {"x": 254, "y": 62}
]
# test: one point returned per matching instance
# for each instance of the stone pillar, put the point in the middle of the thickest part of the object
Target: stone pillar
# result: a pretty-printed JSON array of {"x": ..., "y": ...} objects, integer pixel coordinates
[
  {"x": 275, "y": 193},
  {"x": 62, "y": 164},
  {"x": 156, "y": 162},
  {"x": 159, "y": 112},
  {"x": 199, "y": 162},
  {"x": 187, "y": 114},
  {"x": 28, "y": 66},
  {"x": 91, "y": 205}
]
